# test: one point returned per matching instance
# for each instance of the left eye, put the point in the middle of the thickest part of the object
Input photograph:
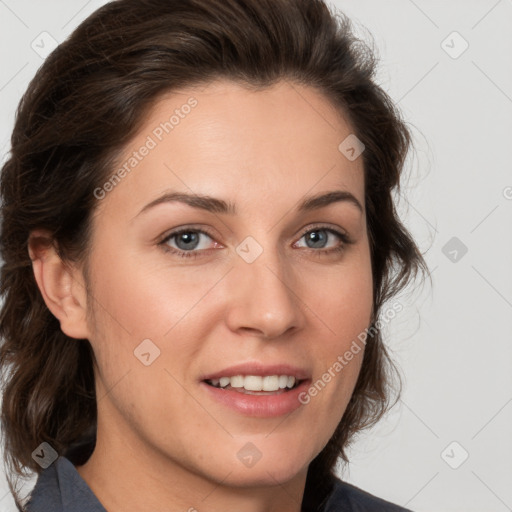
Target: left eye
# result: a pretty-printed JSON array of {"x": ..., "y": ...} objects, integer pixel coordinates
[{"x": 318, "y": 236}]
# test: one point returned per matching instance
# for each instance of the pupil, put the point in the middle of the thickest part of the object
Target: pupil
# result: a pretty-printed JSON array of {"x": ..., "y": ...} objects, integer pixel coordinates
[
  {"x": 189, "y": 237},
  {"x": 313, "y": 237}
]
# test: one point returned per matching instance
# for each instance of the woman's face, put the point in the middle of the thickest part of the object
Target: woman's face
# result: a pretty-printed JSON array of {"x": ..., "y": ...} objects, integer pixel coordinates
[{"x": 258, "y": 281}]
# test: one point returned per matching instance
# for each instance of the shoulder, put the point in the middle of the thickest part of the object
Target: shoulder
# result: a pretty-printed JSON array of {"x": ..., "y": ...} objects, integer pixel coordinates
[
  {"x": 346, "y": 497},
  {"x": 60, "y": 488}
]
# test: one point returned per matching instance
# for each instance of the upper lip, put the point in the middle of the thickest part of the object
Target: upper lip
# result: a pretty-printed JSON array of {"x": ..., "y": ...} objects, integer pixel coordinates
[{"x": 260, "y": 369}]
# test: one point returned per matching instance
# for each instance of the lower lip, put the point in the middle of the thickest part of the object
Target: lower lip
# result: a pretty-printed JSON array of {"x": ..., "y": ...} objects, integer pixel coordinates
[{"x": 260, "y": 406}]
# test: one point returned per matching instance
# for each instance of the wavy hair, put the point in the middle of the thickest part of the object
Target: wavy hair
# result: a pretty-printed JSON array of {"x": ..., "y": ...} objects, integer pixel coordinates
[{"x": 87, "y": 101}]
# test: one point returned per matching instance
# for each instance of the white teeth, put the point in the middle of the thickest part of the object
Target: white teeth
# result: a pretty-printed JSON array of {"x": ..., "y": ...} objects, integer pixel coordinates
[
  {"x": 237, "y": 381},
  {"x": 256, "y": 382},
  {"x": 224, "y": 381},
  {"x": 271, "y": 383},
  {"x": 283, "y": 381},
  {"x": 253, "y": 383}
]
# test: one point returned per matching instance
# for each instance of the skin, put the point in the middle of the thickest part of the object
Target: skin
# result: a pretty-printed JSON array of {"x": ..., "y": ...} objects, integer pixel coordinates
[{"x": 163, "y": 444}]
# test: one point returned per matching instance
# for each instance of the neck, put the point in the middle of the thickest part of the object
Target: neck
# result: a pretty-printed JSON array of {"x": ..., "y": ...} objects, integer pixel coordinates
[{"x": 128, "y": 477}]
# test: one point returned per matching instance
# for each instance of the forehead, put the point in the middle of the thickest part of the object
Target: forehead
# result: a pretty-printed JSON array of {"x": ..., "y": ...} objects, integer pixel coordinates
[{"x": 224, "y": 140}]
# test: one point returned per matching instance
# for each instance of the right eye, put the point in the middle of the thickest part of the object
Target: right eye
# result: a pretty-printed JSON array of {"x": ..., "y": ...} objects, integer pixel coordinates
[{"x": 186, "y": 241}]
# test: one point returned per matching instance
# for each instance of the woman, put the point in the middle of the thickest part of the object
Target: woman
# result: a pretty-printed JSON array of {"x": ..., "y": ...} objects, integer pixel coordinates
[{"x": 199, "y": 237}]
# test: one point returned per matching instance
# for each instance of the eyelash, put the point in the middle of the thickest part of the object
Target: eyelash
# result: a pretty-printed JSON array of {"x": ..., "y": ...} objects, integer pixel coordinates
[{"x": 346, "y": 240}]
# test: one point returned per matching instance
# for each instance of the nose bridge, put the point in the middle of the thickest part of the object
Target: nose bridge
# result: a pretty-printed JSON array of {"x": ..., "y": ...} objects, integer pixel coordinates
[{"x": 265, "y": 298}]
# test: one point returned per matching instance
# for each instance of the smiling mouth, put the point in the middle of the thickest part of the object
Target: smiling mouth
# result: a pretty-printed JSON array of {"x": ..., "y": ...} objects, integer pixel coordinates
[{"x": 256, "y": 385}]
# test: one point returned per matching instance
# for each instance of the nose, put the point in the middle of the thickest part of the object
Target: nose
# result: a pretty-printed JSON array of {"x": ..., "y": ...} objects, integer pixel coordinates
[{"x": 264, "y": 297}]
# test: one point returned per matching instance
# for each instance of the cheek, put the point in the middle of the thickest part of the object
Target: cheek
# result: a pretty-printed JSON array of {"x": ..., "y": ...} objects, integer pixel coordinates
[
  {"x": 145, "y": 300},
  {"x": 343, "y": 307},
  {"x": 134, "y": 303},
  {"x": 344, "y": 302}
]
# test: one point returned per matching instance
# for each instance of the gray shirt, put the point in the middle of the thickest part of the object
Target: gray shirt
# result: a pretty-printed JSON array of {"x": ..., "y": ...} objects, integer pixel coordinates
[{"x": 60, "y": 488}]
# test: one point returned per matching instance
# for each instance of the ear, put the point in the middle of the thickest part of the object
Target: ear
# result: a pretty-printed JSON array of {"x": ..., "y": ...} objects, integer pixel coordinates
[{"x": 60, "y": 284}]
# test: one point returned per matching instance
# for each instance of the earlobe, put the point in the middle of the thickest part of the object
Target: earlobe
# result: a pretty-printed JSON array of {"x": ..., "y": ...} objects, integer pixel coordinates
[{"x": 60, "y": 285}]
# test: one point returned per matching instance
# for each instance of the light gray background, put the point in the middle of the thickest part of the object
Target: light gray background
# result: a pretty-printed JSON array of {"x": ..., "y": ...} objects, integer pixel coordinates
[{"x": 452, "y": 340}]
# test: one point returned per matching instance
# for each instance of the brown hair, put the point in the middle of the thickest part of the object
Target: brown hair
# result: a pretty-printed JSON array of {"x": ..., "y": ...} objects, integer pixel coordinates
[{"x": 86, "y": 102}]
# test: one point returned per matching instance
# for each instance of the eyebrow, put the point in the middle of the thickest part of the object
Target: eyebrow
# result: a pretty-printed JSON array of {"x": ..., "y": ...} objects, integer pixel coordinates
[{"x": 215, "y": 205}]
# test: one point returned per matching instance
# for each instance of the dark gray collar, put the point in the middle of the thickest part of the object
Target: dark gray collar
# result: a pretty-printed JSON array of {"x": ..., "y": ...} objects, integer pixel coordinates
[{"x": 60, "y": 488}]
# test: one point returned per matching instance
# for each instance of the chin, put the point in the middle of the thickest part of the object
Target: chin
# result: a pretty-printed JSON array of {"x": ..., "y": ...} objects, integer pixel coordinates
[
  {"x": 273, "y": 471},
  {"x": 264, "y": 477}
]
